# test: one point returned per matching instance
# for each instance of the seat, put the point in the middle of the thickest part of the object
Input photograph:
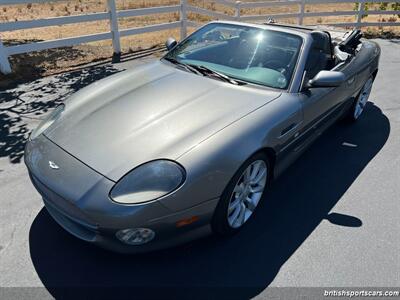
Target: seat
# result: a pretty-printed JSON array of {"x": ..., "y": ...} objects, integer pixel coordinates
[
  {"x": 320, "y": 57},
  {"x": 241, "y": 50}
]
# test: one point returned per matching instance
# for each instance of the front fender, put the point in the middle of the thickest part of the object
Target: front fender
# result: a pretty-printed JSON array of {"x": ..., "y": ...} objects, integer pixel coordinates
[{"x": 211, "y": 164}]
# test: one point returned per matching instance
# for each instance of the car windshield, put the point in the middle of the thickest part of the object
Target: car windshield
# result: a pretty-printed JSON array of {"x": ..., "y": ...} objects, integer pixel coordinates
[{"x": 250, "y": 54}]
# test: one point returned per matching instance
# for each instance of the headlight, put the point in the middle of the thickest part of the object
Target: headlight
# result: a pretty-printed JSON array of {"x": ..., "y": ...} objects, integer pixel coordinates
[
  {"x": 46, "y": 123},
  {"x": 148, "y": 182}
]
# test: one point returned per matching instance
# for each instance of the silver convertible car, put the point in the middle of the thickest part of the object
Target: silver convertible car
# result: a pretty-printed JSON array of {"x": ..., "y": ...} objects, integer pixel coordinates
[{"x": 187, "y": 145}]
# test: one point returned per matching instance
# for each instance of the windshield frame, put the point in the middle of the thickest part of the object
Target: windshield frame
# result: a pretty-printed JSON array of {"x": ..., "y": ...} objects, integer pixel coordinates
[{"x": 300, "y": 54}]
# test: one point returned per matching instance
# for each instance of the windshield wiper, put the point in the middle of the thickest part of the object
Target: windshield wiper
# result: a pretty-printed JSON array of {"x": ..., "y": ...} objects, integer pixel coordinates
[
  {"x": 209, "y": 72},
  {"x": 188, "y": 67},
  {"x": 203, "y": 70}
]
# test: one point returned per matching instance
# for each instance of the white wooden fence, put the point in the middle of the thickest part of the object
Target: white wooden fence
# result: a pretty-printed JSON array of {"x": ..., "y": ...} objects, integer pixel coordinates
[{"x": 183, "y": 9}]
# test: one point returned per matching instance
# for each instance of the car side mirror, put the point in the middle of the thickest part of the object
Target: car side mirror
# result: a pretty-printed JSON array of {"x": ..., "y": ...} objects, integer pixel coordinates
[
  {"x": 327, "y": 79},
  {"x": 170, "y": 43}
]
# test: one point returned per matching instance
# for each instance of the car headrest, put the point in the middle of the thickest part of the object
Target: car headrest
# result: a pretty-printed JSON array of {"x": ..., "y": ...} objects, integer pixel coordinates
[{"x": 321, "y": 41}]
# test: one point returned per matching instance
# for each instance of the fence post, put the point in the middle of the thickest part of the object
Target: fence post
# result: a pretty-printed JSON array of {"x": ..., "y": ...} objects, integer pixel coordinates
[
  {"x": 114, "y": 29},
  {"x": 5, "y": 67},
  {"x": 301, "y": 12},
  {"x": 183, "y": 19},
  {"x": 360, "y": 13},
  {"x": 237, "y": 10}
]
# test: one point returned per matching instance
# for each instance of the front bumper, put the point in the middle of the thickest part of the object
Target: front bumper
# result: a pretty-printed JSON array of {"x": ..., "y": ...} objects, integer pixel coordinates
[{"x": 76, "y": 196}]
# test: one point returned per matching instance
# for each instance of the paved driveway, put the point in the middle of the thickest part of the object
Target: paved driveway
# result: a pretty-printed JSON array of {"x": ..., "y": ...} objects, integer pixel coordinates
[{"x": 331, "y": 220}]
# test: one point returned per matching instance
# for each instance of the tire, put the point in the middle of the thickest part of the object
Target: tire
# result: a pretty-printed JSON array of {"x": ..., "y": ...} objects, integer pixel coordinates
[
  {"x": 358, "y": 106},
  {"x": 237, "y": 195}
]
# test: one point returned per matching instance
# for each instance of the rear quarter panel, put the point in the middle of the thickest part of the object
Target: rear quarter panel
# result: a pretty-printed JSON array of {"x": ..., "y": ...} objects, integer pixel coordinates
[{"x": 363, "y": 65}]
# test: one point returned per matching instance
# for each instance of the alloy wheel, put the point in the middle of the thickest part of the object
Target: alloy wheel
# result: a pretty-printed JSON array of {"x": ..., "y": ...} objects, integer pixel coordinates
[
  {"x": 247, "y": 193},
  {"x": 362, "y": 99}
]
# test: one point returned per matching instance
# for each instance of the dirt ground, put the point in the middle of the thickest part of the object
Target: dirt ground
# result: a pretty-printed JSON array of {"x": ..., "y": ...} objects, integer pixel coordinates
[{"x": 53, "y": 61}]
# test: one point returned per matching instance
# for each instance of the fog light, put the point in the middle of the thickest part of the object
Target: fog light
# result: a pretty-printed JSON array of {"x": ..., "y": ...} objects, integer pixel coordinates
[{"x": 135, "y": 236}]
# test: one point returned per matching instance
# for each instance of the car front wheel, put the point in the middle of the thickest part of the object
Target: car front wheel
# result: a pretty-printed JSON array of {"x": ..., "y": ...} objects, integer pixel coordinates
[{"x": 242, "y": 195}]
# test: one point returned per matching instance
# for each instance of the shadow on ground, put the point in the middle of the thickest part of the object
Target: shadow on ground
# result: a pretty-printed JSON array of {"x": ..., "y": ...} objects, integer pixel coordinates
[
  {"x": 239, "y": 267},
  {"x": 21, "y": 106}
]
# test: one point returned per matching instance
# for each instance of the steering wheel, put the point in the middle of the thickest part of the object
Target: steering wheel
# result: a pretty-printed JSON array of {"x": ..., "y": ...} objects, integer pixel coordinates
[
  {"x": 215, "y": 35},
  {"x": 275, "y": 65}
]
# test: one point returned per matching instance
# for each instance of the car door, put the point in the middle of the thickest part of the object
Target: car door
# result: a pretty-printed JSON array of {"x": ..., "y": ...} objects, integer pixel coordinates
[{"x": 321, "y": 105}]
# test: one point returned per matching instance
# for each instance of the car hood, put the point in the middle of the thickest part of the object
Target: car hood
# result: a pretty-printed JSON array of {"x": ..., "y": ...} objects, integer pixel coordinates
[{"x": 154, "y": 111}]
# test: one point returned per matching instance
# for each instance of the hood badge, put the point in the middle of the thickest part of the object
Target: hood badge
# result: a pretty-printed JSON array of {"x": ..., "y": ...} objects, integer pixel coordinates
[{"x": 53, "y": 165}]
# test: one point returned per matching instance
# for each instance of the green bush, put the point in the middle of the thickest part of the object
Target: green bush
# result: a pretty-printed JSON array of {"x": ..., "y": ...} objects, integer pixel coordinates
[{"x": 382, "y": 6}]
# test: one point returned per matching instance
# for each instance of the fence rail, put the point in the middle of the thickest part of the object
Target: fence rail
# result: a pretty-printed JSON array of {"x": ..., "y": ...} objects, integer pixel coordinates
[{"x": 112, "y": 15}]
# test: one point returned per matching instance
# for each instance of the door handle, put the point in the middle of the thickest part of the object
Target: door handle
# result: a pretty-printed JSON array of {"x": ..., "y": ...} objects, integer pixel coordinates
[{"x": 351, "y": 80}]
